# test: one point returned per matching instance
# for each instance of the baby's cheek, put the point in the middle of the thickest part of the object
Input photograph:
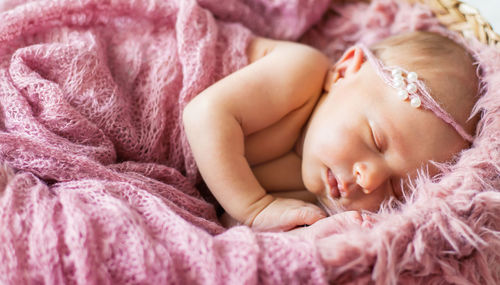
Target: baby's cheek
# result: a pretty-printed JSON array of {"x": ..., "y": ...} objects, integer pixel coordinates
[{"x": 312, "y": 181}]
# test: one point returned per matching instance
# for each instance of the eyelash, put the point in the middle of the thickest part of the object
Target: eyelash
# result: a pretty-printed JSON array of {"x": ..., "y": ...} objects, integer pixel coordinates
[{"x": 377, "y": 145}]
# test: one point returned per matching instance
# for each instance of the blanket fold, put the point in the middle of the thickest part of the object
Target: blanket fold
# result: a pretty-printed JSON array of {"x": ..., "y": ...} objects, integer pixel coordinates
[{"x": 104, "y": 185}]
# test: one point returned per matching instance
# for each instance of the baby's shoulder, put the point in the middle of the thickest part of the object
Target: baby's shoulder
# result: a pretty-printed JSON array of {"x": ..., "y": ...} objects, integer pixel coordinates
[
  {"x": 260, "y": 47},
  {"x": 291, "y": 72}
]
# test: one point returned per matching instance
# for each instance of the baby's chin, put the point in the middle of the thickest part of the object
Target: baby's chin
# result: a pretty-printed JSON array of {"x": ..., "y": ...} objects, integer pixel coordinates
[{"x": 330, "y": 206}]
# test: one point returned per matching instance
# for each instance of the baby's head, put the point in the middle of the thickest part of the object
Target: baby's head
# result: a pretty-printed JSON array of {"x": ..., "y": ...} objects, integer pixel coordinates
[{"x": 363, "y": 143}]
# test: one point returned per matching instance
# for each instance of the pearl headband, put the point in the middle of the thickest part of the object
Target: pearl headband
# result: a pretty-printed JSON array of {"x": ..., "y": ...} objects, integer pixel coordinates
[{"x": 409, "y": 86}]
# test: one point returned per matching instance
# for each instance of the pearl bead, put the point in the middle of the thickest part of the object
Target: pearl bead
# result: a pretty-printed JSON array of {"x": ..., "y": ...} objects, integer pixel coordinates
[
  {"x": 397, "y": 72},
  {"x": 415, "y": 102},
  {"x": 402, "y": 94},
  {"x": 399, "y": 84},
  {"x": 398, "y": 77},
  {"x": 412, "y": 77},
  {"x": 411, "y": 88}
]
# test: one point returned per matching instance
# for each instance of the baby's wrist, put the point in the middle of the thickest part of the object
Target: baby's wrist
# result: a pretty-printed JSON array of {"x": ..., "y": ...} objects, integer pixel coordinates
[{"x": 256, "y": 208}]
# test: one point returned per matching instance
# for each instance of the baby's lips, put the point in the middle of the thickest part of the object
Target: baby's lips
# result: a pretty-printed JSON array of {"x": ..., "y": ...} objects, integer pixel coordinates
[{"x": 332, "y": 185}]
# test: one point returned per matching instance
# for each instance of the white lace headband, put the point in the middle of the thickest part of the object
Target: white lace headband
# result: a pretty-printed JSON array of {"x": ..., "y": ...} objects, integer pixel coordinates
[{"x": 409, "y": 86}]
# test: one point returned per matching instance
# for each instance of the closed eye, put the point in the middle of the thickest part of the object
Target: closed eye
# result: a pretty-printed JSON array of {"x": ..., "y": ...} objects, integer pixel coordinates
[{"x": 375, "y": 140}]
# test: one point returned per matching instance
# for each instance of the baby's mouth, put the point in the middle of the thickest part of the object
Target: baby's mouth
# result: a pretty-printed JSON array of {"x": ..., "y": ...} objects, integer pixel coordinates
[
  {"x": 333, "y": 184},
  {"x": 336, "y": 188}
]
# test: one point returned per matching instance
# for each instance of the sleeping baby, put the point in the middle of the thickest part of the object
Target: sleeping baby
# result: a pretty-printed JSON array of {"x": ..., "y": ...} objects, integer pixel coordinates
[{"x": 291, "y": 138}]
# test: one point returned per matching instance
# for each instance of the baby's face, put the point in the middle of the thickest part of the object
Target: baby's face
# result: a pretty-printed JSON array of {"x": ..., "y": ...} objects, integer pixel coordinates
[{"x": 362, "y": 144}]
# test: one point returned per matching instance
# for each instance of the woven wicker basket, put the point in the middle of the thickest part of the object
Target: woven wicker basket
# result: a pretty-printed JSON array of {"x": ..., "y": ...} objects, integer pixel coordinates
[{"x": 460, "y": 17}]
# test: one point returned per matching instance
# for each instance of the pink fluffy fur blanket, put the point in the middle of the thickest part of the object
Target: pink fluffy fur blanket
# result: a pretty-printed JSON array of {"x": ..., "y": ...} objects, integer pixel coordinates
[{"x": 99, "y": 185}]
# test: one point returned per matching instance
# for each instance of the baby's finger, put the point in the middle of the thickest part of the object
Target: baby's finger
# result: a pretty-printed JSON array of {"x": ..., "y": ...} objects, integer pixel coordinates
[
  {"x": 329, "y": 226},
  {"x": 311, "y": 214},
  {"x": 305, "y": 215}
]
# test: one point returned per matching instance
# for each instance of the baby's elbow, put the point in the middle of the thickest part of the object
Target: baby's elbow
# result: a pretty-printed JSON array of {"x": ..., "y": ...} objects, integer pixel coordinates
[
  {"x": 194, "y": 115},
  {"x": 188, "y": 115}
]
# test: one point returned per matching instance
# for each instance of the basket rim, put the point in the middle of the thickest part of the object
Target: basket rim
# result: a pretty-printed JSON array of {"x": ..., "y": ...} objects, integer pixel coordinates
[{"x": 459, "y": 17}]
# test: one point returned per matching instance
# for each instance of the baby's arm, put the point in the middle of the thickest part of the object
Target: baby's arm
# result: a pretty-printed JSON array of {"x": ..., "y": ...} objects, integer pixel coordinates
[{"x": 249, "y": 100}]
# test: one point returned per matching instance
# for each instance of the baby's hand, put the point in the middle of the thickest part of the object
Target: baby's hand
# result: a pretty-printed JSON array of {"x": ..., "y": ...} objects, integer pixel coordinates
[
  {"x": 332, "y": 225},
  {"x": 285, "y": 214}
]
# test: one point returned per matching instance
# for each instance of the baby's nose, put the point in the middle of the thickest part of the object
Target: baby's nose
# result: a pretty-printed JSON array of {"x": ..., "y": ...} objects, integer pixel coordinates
[{"x": 369, "y": 176}]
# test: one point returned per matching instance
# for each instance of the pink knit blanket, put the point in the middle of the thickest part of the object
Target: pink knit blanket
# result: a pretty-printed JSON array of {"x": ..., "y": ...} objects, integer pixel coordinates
[{"x": 99, "y": 185}]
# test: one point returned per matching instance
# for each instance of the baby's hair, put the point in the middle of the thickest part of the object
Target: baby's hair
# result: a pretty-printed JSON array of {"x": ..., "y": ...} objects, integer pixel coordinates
[{"x": 445, "y": 66}]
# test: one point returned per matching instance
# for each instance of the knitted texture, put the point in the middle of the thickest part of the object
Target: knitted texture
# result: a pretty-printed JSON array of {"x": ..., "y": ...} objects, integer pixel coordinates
[
  {"x": 91, "y": 94},
  {"x": 100, "y": 186}
]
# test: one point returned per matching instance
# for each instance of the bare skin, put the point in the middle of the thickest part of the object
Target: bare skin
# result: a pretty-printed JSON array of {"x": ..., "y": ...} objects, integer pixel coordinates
[{"x": 268, "y": 138}]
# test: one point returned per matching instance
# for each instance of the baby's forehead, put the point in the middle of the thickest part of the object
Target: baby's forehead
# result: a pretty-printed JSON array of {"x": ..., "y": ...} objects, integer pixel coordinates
[{"x": 450, "y": 78}]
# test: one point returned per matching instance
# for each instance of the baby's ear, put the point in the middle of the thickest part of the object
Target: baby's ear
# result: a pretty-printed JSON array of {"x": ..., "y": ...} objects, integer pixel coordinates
[{"x": 348, "y": 64}]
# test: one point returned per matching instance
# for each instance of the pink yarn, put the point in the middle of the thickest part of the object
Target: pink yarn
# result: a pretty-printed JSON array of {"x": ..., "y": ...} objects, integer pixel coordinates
[
  {"x": 91, "y": 94},
  {"x": 101, "y": 187}
]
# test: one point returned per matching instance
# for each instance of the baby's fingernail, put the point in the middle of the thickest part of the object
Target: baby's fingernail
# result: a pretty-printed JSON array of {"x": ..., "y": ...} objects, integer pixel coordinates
[{"x": 322, "y": 214}]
